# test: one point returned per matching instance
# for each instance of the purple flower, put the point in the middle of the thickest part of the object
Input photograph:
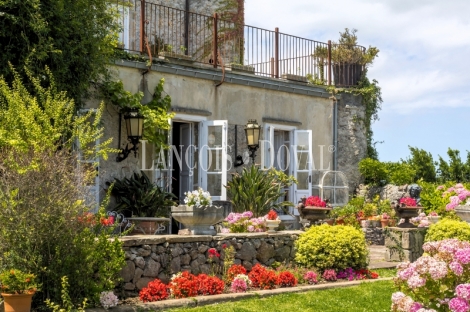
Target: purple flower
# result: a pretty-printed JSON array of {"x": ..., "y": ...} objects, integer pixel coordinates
[
  {"x": 458, "y": 305},
  {"x": 250, "y": 228},
  {"x": 456, "y": 268}
]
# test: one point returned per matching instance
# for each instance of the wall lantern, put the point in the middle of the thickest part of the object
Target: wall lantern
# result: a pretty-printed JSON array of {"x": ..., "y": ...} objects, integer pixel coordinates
[
  {"x": 252, "y": 130},
  {"x": 135, "y": 127}
]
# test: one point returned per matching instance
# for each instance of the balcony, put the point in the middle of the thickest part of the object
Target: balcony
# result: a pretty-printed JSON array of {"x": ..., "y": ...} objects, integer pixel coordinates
[{"x": 153, "y": 29}]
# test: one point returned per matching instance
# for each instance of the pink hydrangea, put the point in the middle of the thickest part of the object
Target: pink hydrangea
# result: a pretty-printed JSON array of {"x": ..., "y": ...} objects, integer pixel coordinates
[
  {"x": 456, "y": 268},
  {"x": 463, "y": 291},
  {"x": 415, "y": 307},
  {"x": 458, "y": 305},
  {"x": 462, "y": 255},
  {"x": 416, "y": 281}
]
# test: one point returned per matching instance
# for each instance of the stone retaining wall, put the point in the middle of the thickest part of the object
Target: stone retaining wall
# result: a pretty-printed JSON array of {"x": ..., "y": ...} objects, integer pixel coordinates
[
  {"x": 374, "y": 236},
  {"x": 149, "y": 257},
  {"x": 404, "y": 244}
]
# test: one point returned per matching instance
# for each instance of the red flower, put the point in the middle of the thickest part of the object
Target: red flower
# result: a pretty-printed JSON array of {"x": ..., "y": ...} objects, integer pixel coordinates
[
  {"x": 315, "y": 201},
  {"x": 224, "y": 246},
  {"x": 408, "y": 201},
  {"x": 184, "y": 286},
  {"x": 272, "y": 215},
  {"x": 262, "y": 277},
  {"x": 213, "y": 253},
  {"x": 234, "y": 270},
  {"x": 210, "y": 285},
  {"x": 154, "y": 291},
  {"x": 286, "y": 279}
]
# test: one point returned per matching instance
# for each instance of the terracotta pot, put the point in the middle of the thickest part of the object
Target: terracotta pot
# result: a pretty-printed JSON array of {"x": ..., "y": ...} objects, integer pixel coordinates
[
  {"x": 384, "y": 222},
  {"x": 17, "y": 303},
  {"x": 339, "y": 221}
]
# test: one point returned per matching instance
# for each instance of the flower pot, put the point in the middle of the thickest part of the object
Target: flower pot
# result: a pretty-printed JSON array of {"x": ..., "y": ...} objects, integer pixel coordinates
[
  {"x": 463, "y": 212},
  {"x": 272, "y": 225},
  {"x": 339, "y": 221},
  {"x": 407, "y": 212},
  {"x": 384, "y": 222},
  {"x": 198, "y": 219},
  {"x": 346, "y": 74},
  {"x": 17, "y": 302},
  {"x": 433, "y": 219}
]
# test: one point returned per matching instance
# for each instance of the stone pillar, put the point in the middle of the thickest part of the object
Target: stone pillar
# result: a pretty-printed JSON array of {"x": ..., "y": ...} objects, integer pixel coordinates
[
  {"x": 352, "y": 141},
  {"x": 404, "y": 244}
]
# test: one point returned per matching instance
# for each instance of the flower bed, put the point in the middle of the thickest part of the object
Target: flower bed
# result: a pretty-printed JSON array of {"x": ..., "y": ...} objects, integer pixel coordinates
[{"x": 185, "y": 284}]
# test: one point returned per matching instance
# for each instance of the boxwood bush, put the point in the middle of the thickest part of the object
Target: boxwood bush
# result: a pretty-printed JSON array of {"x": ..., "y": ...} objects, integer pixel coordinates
[
  {"x": 332, "y": 247},
  {"x": 448, "y": 228}
]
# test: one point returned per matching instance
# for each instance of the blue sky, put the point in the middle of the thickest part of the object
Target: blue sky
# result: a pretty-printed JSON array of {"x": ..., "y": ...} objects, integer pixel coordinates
[{"x": 423, "y": 66}]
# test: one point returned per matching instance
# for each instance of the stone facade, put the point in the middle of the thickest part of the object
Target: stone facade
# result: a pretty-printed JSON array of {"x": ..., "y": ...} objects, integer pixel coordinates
[
  {"x": 404, "y": 244},
  {"x": 351, "y": 137},
  {"x": 151, "y": 257}
]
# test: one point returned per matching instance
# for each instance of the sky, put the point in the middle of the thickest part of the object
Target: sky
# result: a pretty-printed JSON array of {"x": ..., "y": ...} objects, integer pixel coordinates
[{"x": 423, "y": 66}]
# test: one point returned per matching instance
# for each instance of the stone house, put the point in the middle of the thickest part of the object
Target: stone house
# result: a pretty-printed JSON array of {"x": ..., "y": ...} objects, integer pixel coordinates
[{"x": 304, "y": 130}]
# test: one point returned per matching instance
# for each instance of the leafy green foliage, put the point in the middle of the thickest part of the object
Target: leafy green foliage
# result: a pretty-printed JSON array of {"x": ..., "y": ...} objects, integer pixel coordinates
[
  {"x": 155, "y": 112},
  {"x": 448, "y": 228},
  {"x": 43, "y": 231},
  {"x": 256, "y": 190},
  {"x": 67, "y": 305},
  {"x": 347, "y": 51},
  {"x": 76, "y": 39},
  {"x": 332, "y": 247},
  {"x": 400, "y": 173},
  {"x": 140, "y": 197},
  {"x": 455, "y": 169},
  {"x": 45, "y": 121},
  {"x": 373, "y": 171},
  {"x": 423, "y": 163},
  {"x": 432, "y": 199}
]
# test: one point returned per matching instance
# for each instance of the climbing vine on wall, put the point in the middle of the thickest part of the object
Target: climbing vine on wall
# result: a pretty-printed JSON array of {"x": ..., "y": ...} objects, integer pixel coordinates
[
  {"x": 156, "y": 112},
  {"x": 371, "y": 95}
]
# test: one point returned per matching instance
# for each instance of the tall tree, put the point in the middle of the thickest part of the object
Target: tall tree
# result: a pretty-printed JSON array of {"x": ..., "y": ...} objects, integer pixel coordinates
[{"x": 74, "y": 38}]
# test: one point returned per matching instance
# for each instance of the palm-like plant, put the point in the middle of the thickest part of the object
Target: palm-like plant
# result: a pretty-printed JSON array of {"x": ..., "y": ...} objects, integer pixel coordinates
[{"x": 255, "y": 190}]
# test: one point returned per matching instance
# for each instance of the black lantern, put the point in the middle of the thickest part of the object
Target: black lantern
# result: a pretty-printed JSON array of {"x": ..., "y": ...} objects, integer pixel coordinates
[
  {"x": 252, "y": 130},
  {"x": 135, "y": 127}
]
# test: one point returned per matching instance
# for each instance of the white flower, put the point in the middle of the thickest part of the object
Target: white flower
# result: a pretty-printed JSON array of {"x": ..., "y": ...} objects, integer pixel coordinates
[{"x": 108, "y": 299}]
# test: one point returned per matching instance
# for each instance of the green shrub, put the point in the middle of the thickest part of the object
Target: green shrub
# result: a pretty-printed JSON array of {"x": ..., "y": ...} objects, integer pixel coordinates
[
  {"x": 332, "y": 247},
  {"x": 373, "y": 171},
  {"x": 448, "y": 228},
  {"x": 400, "y": 173}
]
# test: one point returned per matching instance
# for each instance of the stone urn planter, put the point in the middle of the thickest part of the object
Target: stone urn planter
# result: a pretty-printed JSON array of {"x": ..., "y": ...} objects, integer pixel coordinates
[
  {"x": 433, "y": 219},
  {"x": 463, "y": 212},
  {"x": 198, "y": 220},
  {"x": 272, "y": 225},
  {"x": 407, "y": 212}
]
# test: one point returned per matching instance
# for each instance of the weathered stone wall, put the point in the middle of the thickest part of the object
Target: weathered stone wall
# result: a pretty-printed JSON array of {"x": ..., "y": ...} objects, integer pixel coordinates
[
  {"x": 151, "y": 257},
  {"x": 374, "y": 236},
  {"x": 389, "y": 191},
  {"x": 404, "y": 244},
  {"x": 352, "y": 143}
]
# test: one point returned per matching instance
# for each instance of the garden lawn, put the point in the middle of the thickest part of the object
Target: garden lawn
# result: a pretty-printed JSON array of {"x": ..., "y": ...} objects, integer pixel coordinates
[{"x": 368, "y": 297}]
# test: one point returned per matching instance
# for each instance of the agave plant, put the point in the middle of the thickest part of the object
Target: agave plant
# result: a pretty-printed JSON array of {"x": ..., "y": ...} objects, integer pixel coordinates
[
  {"x": 255, "y": 190},
  {"x": 138, "y": 196}
]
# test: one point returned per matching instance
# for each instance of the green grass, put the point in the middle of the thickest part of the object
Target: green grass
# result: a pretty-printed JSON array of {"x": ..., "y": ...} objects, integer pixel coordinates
[
  {"x": 368, "y": 297},
  {"x": 386, "y": 272}
]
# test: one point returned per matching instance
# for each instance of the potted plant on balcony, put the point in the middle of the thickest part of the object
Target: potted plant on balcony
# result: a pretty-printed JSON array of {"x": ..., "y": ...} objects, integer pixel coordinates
[
  {"x": 17, "y": 289},
  {"x": 349, "y": 60},
  {"x": 138, "y": 197}
]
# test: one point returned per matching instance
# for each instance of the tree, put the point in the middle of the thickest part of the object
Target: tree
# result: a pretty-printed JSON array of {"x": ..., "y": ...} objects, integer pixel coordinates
[
  {"x": 423, "y": 163},
  {"x": 74, "y": 38}
]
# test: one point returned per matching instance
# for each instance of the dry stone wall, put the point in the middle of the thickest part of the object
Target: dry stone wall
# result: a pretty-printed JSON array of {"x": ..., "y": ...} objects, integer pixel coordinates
[{"x": 151, "y": 257}]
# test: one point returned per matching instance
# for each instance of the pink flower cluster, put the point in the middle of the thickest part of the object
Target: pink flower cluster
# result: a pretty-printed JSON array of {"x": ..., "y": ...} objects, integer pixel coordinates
[
  {"x": 311, "y": 277},
  {"x": 437, "y": 279},
  {"x": 458, "y": 195},
  {"x": 243, "y": 222},
  {"x": 421, "y": 220}
]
